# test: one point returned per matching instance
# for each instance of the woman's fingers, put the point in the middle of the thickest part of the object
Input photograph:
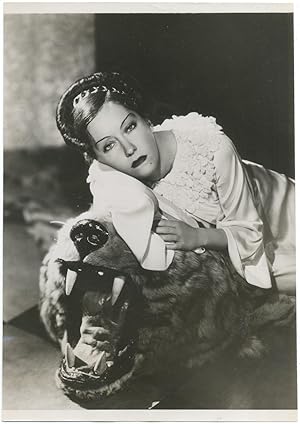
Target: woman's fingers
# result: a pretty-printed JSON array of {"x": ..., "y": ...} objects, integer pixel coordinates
[
  {"x": 172, "y": 246},
  {"x": 168, "y": 231},
  {"x": 165, "y": 230},
  {"x": 169, "y": 237},
  {"x": 165, "y": 223}
]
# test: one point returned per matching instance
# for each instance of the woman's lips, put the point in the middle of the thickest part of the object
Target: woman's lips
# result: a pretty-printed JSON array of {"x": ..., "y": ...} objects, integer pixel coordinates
[{"x": 138, "y": 161}]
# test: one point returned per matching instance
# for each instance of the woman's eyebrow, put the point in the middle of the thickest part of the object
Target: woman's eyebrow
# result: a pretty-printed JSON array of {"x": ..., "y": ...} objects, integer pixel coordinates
[
  {"x": 125, "y": 119},
  {"x": 103, "y": 138}
]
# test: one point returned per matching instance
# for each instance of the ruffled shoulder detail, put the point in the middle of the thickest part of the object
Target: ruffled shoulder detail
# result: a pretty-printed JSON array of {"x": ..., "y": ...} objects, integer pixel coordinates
[
  {"x": 198, "y": 138},
  {"x": 199, "y": 133},
  {"x": 191, "y": 122}
]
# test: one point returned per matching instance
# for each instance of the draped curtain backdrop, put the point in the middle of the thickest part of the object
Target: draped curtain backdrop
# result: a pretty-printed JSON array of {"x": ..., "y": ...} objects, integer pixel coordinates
[{"x": 43, "y": 55}]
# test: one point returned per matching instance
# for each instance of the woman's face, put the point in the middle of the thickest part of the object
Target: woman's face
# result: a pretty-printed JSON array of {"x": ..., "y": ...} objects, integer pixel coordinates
[{"x": 124, "y": 140}]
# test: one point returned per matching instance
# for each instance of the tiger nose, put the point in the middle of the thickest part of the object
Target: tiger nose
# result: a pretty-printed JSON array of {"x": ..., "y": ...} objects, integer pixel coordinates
[{"x": 88, "y": 235}]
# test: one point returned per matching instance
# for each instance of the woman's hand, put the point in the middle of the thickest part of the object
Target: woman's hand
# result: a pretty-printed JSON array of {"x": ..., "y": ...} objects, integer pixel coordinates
[
  {"x": 180, "y": 236},
  {"x": 177, "y": 234}
]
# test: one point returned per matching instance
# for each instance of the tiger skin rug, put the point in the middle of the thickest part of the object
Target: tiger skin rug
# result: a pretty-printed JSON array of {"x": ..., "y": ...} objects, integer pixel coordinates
[{"x": 116, "y": 321}]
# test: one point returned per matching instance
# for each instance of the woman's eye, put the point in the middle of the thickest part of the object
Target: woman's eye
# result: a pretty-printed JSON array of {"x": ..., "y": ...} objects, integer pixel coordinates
[
  {"x": 108, "y": 146},
  {"x": 131, "y": 127}
]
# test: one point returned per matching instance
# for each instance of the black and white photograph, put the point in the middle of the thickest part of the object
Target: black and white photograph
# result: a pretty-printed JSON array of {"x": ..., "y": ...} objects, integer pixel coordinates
[{"x": 149, "y": 232}]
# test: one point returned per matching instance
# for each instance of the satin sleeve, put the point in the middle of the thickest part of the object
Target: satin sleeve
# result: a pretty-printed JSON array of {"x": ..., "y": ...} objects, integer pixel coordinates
[
  {"x": 131, "y": 206},
  {"x": 240, "y": 219}
]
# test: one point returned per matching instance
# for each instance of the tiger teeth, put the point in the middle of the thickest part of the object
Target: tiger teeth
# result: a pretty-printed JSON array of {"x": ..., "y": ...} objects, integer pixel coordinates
[
  {"x": 70, "y": 281},
  {"x": 117, "y": 288},
  {"x": 120, "y": 353},
  {"x": 100, "y": 365},
  {"x": 70, "y": 357},
  {"x": 64, "y": 342}
]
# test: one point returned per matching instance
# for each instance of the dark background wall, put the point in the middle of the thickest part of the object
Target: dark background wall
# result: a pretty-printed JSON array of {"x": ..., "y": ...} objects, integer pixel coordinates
[{"x": 236, "y": 67}]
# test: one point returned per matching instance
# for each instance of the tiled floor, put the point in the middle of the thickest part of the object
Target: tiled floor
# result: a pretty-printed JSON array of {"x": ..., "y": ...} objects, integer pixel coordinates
[
  {"x": 29, "y": 363},
  {"x": 20, "y": 271},
  {"x": 28, "y": 372},
  {"x": 30, "y": 359}
]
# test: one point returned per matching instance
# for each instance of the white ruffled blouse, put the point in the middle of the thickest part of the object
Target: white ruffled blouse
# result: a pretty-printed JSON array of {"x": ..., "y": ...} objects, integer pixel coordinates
[{"x": 210, "y": 181}]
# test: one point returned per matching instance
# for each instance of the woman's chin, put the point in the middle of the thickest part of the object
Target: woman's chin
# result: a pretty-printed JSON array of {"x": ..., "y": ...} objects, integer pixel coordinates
[{"x": 145, "y": 173}]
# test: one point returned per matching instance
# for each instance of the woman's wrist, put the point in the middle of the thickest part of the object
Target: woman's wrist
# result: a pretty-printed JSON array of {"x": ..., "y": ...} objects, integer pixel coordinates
[
  {"x": 202, "y": 239},
  {"x": 212, "y": 238}
]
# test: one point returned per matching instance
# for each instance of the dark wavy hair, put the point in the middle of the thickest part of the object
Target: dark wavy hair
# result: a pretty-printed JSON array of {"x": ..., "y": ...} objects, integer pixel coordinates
[{"x": 83, "y": 99}]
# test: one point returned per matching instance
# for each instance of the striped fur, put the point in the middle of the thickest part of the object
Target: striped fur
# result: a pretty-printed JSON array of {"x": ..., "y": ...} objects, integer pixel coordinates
[{"x": 187, "y": 315}]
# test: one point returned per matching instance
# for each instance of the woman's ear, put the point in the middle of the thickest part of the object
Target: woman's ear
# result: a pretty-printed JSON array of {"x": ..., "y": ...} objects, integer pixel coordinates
[{"x": 88, "y": 158}]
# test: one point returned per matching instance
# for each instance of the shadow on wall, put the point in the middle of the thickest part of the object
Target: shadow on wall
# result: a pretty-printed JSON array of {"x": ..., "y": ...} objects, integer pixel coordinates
[{"x": 236, "y": 67}]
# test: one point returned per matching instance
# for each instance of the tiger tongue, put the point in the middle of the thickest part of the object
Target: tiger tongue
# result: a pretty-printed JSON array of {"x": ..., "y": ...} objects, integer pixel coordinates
[{"x": 86, "y": 353}]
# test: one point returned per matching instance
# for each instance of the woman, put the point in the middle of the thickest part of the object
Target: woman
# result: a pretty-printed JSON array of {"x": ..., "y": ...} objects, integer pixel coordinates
[{"x": 244, "y": 207}]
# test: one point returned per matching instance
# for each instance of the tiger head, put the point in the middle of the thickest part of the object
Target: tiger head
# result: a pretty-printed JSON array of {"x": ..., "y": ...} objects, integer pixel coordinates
[{"x": 118, "y": 320}]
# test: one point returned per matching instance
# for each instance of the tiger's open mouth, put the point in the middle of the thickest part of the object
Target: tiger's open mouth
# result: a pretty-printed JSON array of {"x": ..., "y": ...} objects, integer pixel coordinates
[{"x": 101, "y": 330}]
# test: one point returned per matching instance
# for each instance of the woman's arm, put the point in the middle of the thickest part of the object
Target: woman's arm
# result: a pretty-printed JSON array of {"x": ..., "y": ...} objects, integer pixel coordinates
[
  {"x": 241, "y": 219},
  {"x": 180, "y": 236}
]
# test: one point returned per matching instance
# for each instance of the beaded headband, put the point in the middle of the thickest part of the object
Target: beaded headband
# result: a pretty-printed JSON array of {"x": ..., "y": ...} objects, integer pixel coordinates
[{"x": 93, "y": 90}]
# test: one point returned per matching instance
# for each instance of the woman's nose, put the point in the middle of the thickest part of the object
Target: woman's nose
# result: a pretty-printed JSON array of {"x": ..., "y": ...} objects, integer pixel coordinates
[{"x": 128, "y": 148}]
